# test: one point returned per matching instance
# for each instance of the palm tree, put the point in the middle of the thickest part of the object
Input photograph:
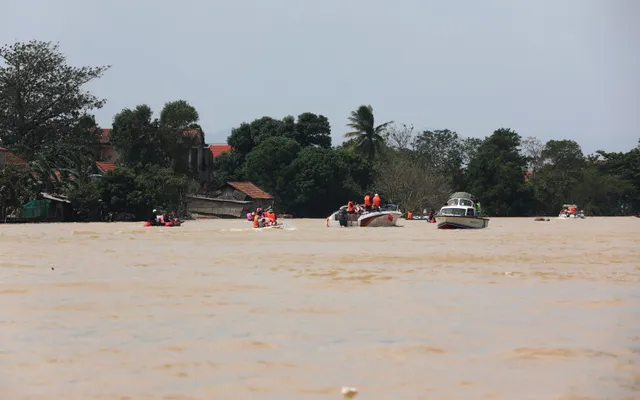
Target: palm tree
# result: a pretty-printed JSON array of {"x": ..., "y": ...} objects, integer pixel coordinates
[{"x": 368, "y": 138}]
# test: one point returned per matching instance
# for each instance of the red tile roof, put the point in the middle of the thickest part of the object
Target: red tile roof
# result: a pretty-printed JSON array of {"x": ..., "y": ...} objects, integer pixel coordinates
[
  {"x": 12, "y": 159},
  {"x": 105, "y": 166},
  {"x": 217, "y": 149},
  {"x": 250, "y": 190}
]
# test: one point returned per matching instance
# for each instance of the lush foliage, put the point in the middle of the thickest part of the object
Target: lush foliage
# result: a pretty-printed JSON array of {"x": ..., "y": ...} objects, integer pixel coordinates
[
  {"x": 45, "y": 118},
  {"x": 43, "y": 106}
]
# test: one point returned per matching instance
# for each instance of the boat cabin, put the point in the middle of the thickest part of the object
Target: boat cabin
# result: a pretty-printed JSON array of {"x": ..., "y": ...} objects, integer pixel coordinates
[{"x": 460, "y": 207}]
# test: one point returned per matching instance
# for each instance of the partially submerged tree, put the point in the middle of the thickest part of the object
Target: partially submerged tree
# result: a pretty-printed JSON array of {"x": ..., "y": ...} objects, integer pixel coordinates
[
  {"x": 532, "y": 148},
  {"x": 42, "y": 100},
  {"x": 411, "y": 184}
]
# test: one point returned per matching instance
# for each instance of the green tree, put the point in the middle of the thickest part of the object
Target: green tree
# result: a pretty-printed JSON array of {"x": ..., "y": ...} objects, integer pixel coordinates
[
  {"x": 317, "y": 182},
  {"x": 267, "y": 164},
  {"x": 369, "y": 138},
  {"x": 15, "y": 189},
  {"x": 411, "y": 184},
  {"x": 309, "y": 130},
  {"x": 601, "y": 192},
  {"x": 441, "y": 151},
  {"x": 532, "y": 148},
  {"x": 86, "y": 201},
  {"x": 496, "y": 175},
  {"x": 248, "y": 135},
  {"x": 178, "y": 126},
  {"x": 561, "y": 171},
  {"x": 228, "y": 166},
  {"x": 360, "y": 176},
  {"x": 42, "y": 100},
  {"x": 137, "y": 138},
  {"x": 626, "y": 167},
  {"x": 139, "y": 190},
  {"x": 312, "y": 130}
]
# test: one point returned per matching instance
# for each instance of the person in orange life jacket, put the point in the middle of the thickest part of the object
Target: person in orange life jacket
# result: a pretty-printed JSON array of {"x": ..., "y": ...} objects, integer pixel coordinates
[
  {"x": 376, "y": 201},
  {"x": 256, "y": 223},
  {"x": 350, "y": 208},
  {"x": 367, "y": 202}
]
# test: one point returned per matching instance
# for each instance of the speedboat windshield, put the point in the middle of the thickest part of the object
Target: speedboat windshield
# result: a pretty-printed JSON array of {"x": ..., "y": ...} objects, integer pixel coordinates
[
  {"x": 460, "y": 202},
  {"x": 465, "y": 202},
  {"x": 453, "y": 211}
]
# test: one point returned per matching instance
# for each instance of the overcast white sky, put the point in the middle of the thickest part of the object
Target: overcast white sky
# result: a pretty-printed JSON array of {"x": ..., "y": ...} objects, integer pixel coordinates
[{"x": 551, "y": 69}]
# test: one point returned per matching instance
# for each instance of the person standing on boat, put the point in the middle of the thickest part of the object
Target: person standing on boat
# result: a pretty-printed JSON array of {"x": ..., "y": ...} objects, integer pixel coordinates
[
  {"x": 367, "y": 202},
  {"x": 376, "y": 202},
  {"x": 478, "y": 208}
]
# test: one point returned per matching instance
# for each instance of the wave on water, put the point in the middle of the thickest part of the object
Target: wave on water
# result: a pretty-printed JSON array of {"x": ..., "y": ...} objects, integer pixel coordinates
[{"x": 83, "y": 233}]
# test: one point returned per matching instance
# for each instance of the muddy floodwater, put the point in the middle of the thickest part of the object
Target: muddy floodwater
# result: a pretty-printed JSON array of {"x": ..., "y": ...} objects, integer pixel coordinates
[{"x": 218, "y": 310}]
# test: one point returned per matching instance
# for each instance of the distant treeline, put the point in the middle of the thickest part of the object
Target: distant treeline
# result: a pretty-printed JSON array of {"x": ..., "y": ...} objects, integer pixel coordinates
[{"x": 46, "y": 120}]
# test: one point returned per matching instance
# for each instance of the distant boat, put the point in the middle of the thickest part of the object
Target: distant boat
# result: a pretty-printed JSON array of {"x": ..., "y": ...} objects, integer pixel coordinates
[
  {"x": 461, "y": 213},
  {"x": 568, "y": 215}
]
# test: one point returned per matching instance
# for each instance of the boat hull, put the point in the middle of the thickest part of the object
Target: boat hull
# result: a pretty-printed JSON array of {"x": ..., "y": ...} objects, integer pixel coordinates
[
  {"x": 333, "y": 220},
  {"x": 379, "y": 219},
  {"x": 459, "y": 222},
  {"x": 578, "y": 216}
]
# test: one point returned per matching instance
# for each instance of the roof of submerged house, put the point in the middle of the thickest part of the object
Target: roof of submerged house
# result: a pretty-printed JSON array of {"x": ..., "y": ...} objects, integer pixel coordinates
[
  {"x": 12, "y": 159},
  {"x": 217, "y": 149},
  {"x": 105, "y": 166},
  {"x": 250, "y": 190}
]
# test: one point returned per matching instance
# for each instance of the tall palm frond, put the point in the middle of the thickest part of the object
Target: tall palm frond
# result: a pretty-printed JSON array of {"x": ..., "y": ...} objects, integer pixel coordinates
[{"x": 368, "y": 137}]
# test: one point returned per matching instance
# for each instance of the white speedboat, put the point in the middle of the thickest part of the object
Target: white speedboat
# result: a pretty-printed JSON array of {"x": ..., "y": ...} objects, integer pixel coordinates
[
  {"x": 568, "y": 215},
  {"x": 460, "y": 213},
  {"x": 386, "y": 216}
]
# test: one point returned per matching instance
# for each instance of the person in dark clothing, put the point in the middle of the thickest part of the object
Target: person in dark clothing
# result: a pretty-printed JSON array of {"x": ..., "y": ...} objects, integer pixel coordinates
[
  {"x": 432, "y": 216},
  {"x": 154, "y": 217},
  {"x": 343, "y": 216}
]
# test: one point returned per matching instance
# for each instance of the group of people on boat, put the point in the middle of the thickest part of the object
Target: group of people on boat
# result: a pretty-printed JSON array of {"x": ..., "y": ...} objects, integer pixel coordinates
[
  {"x": 353, "y": 210},
  {"x": 162, "y": 219},
  {"x": 262, "y": 218},
  {"x": 569, "y": 211}
]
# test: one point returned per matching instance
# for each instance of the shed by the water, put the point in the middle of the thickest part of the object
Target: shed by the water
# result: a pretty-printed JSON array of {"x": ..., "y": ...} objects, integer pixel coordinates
[
  {"x": 222, "y": 208},
  {"x": 48, "y": 208},
  {"x": 233, "y": 200},
  {"x": 246, "y": 191}
]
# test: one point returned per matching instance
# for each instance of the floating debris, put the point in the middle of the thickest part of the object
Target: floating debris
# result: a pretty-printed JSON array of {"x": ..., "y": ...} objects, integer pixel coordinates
[{"x": 349, "y": 392}]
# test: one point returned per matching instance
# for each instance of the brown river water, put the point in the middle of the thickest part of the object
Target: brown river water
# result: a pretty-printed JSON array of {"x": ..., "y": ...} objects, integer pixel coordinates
[{"x": 217, "y": 310}]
